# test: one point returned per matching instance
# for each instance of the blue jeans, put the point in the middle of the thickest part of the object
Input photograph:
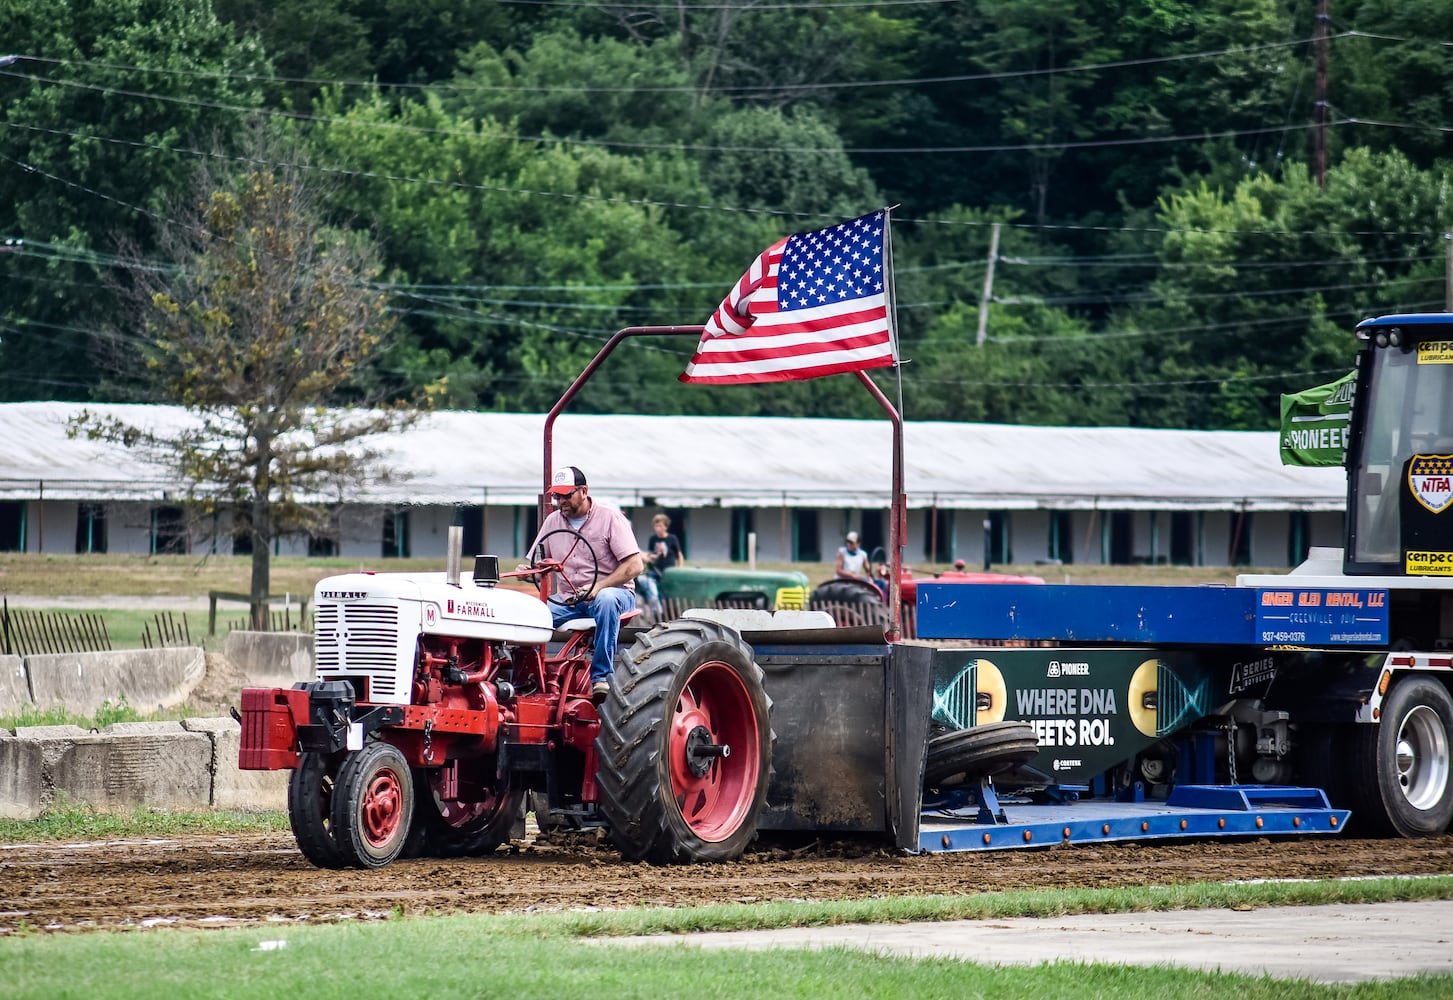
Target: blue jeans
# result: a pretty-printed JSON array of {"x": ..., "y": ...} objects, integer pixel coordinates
[
  {"x": 650, "y": 592},
  {"x": 606, "y": 609}
]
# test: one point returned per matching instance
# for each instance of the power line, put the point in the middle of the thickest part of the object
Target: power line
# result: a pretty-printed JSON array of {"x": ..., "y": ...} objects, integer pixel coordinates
[
  {"x": 650, "y": 203},
  {"x": 1204, "y": 136},
  {"x": 682, "y": 88}
]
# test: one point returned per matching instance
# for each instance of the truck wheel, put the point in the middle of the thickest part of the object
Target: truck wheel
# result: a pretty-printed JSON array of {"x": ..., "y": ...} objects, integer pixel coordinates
[
  {"x": 992, "y": 748},
  {"x": 447, "y": 828},
  {"x": 1403, "y": 765},
  {"x": 685, "y": 745},
  {"x": 310, "y": 802},
  {"x": 373, "y": 802}
]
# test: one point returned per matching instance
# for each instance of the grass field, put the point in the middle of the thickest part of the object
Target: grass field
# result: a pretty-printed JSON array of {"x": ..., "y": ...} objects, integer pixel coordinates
[
  {"x": 448, "y": 957},
  {"x": 548, "y": 955}
]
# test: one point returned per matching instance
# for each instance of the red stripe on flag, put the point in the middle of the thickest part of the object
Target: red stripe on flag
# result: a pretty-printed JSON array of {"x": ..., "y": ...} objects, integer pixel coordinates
[
  {"x": 793, "y": 374},
  {"x": 745, "y": 351}
]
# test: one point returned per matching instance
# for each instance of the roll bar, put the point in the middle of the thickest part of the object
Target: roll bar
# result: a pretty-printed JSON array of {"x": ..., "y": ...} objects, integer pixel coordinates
[{"x": 898, "y": 518}]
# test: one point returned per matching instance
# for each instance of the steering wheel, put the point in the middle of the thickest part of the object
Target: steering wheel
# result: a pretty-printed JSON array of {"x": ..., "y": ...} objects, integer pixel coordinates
[{"x": 543, "y": 568}]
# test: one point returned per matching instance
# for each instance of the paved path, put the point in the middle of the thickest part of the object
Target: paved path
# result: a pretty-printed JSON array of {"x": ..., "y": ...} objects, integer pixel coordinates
[{"x": 1341, "y": 943}]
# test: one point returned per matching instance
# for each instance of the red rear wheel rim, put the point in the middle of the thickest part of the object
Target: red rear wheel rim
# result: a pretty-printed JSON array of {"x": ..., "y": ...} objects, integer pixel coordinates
[{"x": 715, "y": 704}]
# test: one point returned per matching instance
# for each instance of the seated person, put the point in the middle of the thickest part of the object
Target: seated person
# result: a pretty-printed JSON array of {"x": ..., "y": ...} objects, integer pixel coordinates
[
  {"x": 615, "y": 552},
  {"x": 852, "y": 560}
]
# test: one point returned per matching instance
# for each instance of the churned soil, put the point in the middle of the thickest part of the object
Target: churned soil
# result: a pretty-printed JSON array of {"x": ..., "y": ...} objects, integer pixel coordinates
[{"x": 248, "y": 879}]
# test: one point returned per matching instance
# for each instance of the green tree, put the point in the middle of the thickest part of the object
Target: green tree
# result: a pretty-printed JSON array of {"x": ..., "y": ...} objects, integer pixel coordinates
[
  {"x": 100, "y": 104},
  {"x": 1397, "y": 71},
  {"x": 393, "y": 41},
  {"x": 260, "y": 328},
  {"x": 1258, "y": 287}
]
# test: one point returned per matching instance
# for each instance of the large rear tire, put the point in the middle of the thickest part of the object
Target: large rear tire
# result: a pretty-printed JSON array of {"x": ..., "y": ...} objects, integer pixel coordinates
[
  {"x": 1403, "y": 767},
  {"x": 685, "y": 745},
  {"x": 373, "y": 803},
  {"x": 310, "y": 804},
  {"x": 989, "y": 749},
  {"x": 448, "y": 828}
]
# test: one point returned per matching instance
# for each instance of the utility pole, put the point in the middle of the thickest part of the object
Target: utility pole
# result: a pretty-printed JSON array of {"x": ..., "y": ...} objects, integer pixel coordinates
[
  {"x": 1319, "y": 132},
  {"x": 988, "y": 286},
  {"x": 1448, "y": 272}
]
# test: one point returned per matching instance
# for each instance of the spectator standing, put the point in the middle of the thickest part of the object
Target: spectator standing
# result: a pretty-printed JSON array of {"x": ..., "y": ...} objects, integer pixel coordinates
[{"x": 661, "y": 552}]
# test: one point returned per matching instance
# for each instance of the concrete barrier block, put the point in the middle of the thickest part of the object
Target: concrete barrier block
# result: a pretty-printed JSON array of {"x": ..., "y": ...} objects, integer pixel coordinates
[
  {"x": 271, "y": 659},
  {"x": 50, "y": 733},
  {"x": 21, "y": 777},
  {"x": 14, "y": 686},
  {"x": 131, "y": 764},
  {"x": 146, "y": 678},
  {"x": 232, "y": 787}
]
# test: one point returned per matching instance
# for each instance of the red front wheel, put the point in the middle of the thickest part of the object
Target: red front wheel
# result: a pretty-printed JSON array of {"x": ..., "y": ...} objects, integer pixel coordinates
[
  {"x": 373, "y": 802},
  {"x": 685, "y": 745}
]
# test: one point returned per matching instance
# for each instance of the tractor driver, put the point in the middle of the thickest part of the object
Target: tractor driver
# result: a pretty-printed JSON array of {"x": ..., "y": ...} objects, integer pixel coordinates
[{"x": 615, "y": 564}]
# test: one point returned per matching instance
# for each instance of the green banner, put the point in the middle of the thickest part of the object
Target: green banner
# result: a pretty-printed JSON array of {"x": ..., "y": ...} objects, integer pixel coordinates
[{"x": 1315, "y": 423}]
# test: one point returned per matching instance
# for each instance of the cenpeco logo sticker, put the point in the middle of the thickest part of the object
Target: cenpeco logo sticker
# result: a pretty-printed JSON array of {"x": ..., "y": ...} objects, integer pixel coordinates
[
  {"x": 1435, "y": 352},
  {"x": 1428, "y": 563},
  {"x": 1430, "y": 477}
]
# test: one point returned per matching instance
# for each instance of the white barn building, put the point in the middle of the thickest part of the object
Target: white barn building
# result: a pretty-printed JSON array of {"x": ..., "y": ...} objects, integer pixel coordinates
[{"x": 1025, "y": 494}]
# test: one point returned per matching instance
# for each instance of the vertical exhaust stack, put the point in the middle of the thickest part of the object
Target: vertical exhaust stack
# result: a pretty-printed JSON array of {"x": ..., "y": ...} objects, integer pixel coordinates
[{"x": 454, "y": 555}]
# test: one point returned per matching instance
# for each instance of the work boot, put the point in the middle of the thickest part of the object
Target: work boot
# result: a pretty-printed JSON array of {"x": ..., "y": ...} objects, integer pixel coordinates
[{"x": 599, "y": 690}]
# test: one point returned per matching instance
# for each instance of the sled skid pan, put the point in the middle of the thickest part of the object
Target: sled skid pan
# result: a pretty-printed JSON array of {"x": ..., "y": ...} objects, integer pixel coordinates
[{"x": 1191, "y": 812}]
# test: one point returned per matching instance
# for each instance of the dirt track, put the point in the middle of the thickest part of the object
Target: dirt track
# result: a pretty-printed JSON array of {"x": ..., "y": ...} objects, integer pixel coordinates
[{"x": 247, "y": 879}]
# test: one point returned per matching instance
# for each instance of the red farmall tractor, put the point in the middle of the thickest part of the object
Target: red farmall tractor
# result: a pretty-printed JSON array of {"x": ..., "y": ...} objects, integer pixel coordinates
[{"x": 441, "y": 701}]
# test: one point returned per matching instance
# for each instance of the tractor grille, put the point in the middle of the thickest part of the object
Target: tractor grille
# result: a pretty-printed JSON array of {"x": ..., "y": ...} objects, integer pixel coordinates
[{"x": 358, "y": 640}]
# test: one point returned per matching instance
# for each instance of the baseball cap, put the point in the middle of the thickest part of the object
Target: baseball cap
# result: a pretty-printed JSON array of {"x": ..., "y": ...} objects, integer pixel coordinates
[
  {"x": 566, "y": 479},
  {"x": 852, "y": 536}
]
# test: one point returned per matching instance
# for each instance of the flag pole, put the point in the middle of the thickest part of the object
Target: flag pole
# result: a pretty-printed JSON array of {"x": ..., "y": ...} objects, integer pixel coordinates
[{"x": 898, "y": 519}]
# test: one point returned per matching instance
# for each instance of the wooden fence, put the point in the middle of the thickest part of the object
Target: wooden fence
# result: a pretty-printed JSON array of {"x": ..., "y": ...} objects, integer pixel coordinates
[
  {"x": 286, "y": 620},
  {"x": 30, "y": 633},
  {"x": 165, "y": 629}
]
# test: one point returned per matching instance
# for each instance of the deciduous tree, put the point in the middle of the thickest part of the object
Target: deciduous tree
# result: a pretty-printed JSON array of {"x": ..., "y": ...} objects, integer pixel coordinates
[{"x": 258, "y": 318}]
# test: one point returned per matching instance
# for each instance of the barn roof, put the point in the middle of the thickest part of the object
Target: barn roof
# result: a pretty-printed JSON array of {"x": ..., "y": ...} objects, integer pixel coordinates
[{"x": 495, "y": 458}]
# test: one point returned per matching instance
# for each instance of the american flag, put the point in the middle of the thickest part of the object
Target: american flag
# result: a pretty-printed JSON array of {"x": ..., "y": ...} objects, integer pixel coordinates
[{"x": 812, "y": 304}]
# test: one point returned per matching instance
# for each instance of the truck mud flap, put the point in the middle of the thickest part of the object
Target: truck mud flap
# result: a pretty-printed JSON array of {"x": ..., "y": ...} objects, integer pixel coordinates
[{"x": 851, "y": 731}]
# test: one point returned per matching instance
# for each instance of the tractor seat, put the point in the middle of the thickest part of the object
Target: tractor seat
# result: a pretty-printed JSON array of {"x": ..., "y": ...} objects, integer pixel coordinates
[{"x": 588, "y": 624}]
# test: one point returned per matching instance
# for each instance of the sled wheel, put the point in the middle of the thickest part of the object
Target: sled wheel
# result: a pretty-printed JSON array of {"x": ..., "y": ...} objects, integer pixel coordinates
[
  {"x": 310, "y": 801},
  {"x": 548, "y": 820},
  {"x": 685, "y": 745},
  {"x": 372, "y": 804},
  {"x": 989, "y": 749},
  {"x": 1403, "y": 765},
  {"x": 448, "y": 828}
]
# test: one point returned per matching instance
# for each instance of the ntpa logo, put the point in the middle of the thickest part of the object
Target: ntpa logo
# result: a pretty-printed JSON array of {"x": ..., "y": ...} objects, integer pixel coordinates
[{"x": 1430, "y": 477}]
